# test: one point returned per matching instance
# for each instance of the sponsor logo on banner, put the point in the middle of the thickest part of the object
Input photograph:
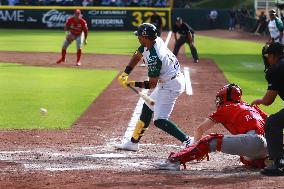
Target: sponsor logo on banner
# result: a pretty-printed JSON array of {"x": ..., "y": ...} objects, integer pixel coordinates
[
  {"x": 12, "y": 16},
  {"x": 55, "y": 18},
  {"x": 107, "y": 18},
  {"x": 108, "y": 22}
]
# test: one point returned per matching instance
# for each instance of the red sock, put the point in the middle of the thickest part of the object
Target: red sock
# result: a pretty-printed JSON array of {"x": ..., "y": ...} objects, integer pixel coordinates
[
  {"x": 79, "y": 52},
  {"x": 63, "y": 54}
]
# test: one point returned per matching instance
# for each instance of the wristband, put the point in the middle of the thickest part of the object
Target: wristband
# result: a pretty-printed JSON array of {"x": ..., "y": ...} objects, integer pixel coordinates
[
  {"x": 146, "y": 84},
  {"x": 138, "y": 84}
]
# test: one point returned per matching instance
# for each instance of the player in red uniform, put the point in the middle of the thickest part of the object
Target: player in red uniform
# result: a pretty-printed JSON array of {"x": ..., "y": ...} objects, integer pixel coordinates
[
  {"x": 243, "y": 121},
  {"x": 76, "y": 29}
]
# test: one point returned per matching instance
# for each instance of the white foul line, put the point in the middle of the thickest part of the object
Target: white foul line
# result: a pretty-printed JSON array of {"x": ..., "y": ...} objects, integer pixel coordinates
[
  {"x": 188, "y": 87},
  {"x": 137, "y": 111},
  {"x": 168, "y": 38}
]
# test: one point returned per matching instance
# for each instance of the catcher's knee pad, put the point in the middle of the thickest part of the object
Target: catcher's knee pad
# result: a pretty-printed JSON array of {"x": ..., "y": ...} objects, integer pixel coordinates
[
  {"x": 257, "y": 163},
  {"x": 142, "y": 124},
  {"x": 197, "y": 151}
]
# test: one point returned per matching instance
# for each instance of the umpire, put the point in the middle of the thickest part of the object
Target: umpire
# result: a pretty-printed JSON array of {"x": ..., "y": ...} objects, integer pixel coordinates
[
  {"x": 186, "y": 36},
  {"x": 275, "y": 122}
]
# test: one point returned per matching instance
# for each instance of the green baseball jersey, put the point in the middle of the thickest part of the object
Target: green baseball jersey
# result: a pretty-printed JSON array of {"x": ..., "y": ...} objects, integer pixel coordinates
[{"x": 161, "y": 62}]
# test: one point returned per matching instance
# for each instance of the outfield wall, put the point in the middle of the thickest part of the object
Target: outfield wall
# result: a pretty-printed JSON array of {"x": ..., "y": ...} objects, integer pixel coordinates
[
  {"x": 109, "y": 18},
  {"x": 98, "y": 18}
]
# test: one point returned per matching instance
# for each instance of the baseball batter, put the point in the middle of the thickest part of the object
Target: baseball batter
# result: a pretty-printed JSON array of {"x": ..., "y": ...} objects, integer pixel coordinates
[
  {"x": 165, "y": 76},
  {"x": 76, "y": 29},
  {"x": 243, "y": 121}
]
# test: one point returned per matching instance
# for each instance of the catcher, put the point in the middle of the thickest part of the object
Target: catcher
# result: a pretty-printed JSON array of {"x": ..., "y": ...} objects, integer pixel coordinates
[
  {"x": 76, "y": 29},
  {"x": 243, "y": 121}
]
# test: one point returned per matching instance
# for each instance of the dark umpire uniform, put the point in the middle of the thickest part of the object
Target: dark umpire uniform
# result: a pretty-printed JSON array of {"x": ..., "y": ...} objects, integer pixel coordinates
[
  {"x": 156, "y": 20},
  {"x": 186, "y": 36},
  {"x": 275, "y": 123}
]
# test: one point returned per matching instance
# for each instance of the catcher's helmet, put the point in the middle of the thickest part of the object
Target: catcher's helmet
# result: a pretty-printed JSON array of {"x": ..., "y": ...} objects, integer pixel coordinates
[
  {"x": 229, "y": 93},
  {"x": 147, "y": 30}
]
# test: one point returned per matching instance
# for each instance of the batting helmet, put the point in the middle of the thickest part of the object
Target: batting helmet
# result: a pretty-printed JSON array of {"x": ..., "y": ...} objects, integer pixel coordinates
[
  {"x": 147, "y": 30},
  {"x": 229, "y": 93}
]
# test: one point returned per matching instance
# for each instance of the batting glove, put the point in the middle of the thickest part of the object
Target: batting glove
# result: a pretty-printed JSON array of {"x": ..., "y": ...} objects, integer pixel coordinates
[{"x": 122, "y": 79}]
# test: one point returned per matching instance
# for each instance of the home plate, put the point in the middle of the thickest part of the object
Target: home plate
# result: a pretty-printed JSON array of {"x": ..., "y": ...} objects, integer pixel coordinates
[{"x": 111, "y": 155}]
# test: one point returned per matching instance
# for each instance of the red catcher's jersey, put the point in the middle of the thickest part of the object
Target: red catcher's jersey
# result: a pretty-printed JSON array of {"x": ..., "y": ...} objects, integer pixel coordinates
[
  {"x": 76, "y": 27},
  {"x": 239, "y": 118}
]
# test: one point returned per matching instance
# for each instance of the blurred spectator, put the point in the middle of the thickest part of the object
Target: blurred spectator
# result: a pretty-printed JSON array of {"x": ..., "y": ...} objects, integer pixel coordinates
[
  {"x": 275, "y": 27},
  {"x": 134, "y": 3},
  {"x": 213, "y": 15},
  {"x": 12, "y": 2},
  {"x": 232, "y": 19},
  {"x": 148, "y": 3},
  {"x": 244, "y": 14},
  {"x": 261, "y": 24}
]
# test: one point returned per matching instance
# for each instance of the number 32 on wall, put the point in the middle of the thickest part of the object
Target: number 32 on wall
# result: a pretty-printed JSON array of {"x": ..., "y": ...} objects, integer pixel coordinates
[{"x": 141, "y": 17}]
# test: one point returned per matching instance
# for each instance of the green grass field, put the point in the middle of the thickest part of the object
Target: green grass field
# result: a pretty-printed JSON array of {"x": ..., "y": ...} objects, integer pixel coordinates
[
  {"x": 65, "y": 93},
  {"x": 99, "y": 42},
  {"x": 22, "y": 98}
]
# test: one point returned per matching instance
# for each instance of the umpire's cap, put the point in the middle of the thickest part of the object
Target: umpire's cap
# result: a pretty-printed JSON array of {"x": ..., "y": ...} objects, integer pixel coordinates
[
  {"x": 178, "y": 19},
  {"x": 274, "y": 48},
  {"x": 147, "y": 30}
]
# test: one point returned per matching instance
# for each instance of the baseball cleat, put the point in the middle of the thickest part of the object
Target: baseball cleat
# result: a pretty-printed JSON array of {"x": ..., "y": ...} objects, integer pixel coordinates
[
  {"x": 78, "y": 64},
  {"x": 130, "y": 146},
  {"x": 196, "y": 61},
  {"x": 61, "y": 60},
  {"x": 188, "y": 142},
  {"x": 276, "y": 169},
  {"x": 168, "y": 165}
]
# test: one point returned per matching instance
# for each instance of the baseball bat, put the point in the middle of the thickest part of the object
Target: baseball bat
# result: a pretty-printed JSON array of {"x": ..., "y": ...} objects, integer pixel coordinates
[{"x": 143, "y": 96}]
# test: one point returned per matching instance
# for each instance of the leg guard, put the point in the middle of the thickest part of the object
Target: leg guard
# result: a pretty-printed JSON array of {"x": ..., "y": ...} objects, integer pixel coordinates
[
  {"x": 197, "y": 151},
  {"x": 258, "y": 163},
  {"x": 142, "y": 124}
]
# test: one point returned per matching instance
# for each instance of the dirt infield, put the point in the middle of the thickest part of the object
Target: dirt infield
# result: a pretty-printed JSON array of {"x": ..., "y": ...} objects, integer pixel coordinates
[{"x": 83, "y": 156}]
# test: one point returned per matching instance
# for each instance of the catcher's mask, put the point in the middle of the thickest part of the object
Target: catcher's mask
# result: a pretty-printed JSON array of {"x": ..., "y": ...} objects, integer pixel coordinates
[
  {"x": 228, "y": 93},
  {"x": 275, "y": 48},
  {"x": 147, "y": 30}
]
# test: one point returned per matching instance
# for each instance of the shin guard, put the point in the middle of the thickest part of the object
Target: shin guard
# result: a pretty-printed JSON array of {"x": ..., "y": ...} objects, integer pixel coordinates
[
  {"x": 138, "y": 131},
  {"x": 142, "y": 124},
  {"x": 197, "y": 151}
]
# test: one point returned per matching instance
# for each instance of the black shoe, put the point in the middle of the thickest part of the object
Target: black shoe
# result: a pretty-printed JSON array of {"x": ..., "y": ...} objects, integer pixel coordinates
[
  {"x": 196, "y": 61},
  {"x": 277, "y": 169}
]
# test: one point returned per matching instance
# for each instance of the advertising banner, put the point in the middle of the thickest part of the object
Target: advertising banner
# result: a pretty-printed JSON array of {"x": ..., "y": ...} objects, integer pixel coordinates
[{"x": 104, "y": 19}]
